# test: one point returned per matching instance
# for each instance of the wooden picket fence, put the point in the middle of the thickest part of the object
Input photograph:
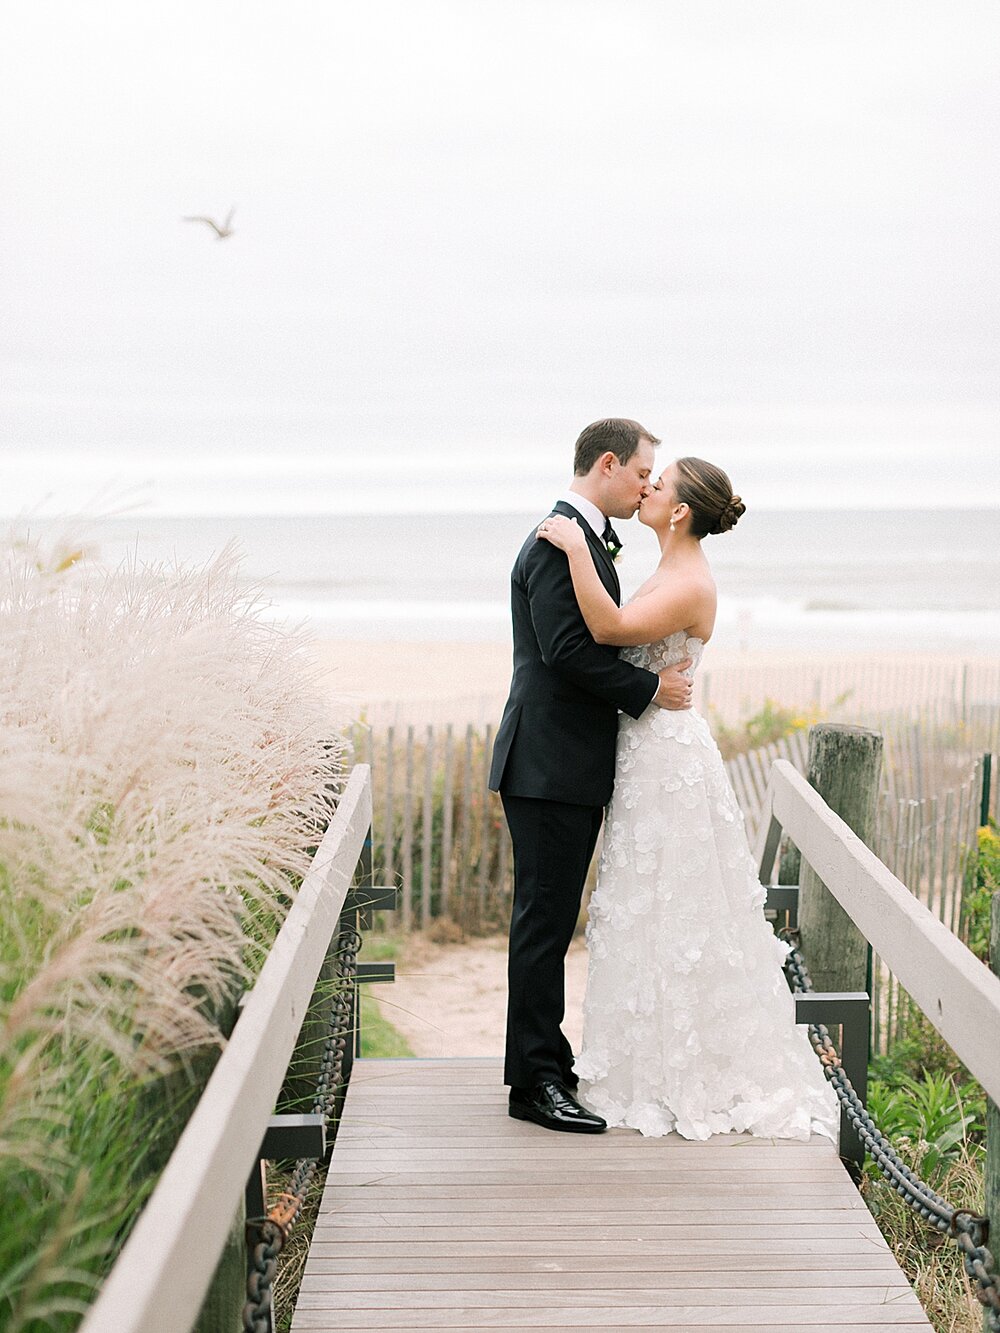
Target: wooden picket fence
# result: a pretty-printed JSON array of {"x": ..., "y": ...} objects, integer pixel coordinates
[
  {"x": 440, "y": 833},
  {"x": 859, "y": 684},
  {"x": 930, "y": 843}
]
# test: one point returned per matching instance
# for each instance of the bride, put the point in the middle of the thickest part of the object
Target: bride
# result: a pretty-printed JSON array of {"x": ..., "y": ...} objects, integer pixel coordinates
[{"x": 689, "y": 1025}]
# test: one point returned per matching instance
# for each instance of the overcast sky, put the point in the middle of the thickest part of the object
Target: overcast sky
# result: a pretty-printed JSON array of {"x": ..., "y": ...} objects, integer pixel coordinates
[{"x": 464, "y": 230}]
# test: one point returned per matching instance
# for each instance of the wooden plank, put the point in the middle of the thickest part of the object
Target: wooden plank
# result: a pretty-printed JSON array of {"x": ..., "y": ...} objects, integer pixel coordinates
[
  {"x": 436, "y": 1203},
  {"x": 370, "y": 1266},
  {"x": 656, "y": 1180},
  {"x": 748, "y": 1298},
  {"x": 449, "y": 1214},
  {"x": 531, "y": 1154},
  {"x": 591, "y": 1234},
  {"x": 685, "y": 1317},
  {"x": 501, "y": 1282},
  {"x": 555, "y": 1248},
  {"x": 379, "y": 1136},
  {"x": 483, "y": 1131},
  {"x": 417, "y": 1158},
  {"x": 183, "y": 1227}
]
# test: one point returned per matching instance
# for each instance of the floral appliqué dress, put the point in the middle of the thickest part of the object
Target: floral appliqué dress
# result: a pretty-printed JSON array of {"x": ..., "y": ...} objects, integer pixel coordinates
[{"x": 689, "y": 1025}]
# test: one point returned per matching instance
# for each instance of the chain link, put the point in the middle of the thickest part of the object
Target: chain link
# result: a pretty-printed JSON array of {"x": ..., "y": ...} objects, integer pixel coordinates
[
  {"x": 265, "y": 1241},
  {"x": 969, "y": 1230},
  {"x": 266, "y": 1236}
]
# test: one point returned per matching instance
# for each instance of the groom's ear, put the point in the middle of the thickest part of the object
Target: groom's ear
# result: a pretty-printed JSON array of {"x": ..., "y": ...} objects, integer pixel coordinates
[{"x": 606, "y": 463}]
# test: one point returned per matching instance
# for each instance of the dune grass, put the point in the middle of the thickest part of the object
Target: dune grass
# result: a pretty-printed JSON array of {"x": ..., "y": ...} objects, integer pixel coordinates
[{"x": 163, "y": 769}]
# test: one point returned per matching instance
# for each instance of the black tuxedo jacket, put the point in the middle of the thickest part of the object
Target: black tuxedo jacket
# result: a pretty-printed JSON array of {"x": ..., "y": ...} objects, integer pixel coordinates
[{"x": 556, "y": 740}]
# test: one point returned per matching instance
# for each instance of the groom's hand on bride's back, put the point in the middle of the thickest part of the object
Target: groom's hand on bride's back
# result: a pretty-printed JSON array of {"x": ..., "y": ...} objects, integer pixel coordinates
[{"x": 675, "y": 690}]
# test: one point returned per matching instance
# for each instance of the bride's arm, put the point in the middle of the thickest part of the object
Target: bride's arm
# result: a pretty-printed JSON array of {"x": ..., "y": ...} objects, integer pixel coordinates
[{"x": 654, "y": 616}]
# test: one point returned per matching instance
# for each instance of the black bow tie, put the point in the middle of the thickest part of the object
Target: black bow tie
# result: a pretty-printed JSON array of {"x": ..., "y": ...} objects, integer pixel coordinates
[{"x": 610, "y": 538}]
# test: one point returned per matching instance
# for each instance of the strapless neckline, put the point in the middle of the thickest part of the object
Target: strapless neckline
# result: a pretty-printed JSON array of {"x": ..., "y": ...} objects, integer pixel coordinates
[{"x": 665, "y": 652}]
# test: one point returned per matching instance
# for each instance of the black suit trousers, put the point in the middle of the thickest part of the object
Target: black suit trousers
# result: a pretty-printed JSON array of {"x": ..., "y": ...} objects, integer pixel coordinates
[{"x": 553, "y": 845}]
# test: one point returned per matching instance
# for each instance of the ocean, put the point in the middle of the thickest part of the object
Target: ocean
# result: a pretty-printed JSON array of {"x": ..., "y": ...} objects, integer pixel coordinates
[{"x": 830, "y": 580}]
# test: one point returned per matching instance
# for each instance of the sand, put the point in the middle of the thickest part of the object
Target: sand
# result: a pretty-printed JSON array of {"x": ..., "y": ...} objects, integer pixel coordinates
[
  {"x": 451, "y": 999},
  {"x": 434, "y": 683},
  {"x": 419, "y": 682}
]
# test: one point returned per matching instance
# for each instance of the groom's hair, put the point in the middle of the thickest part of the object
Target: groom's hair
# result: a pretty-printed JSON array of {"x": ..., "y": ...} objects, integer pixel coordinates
[{"x": 617, "y": 434}]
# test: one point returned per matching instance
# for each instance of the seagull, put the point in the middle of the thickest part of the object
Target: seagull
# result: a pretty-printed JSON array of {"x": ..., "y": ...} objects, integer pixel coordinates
[{"x": 220, "y": 232}]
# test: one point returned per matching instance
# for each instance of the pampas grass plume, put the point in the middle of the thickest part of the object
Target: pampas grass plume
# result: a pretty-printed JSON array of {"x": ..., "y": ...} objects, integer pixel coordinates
[{"x": 164, "y": 766}]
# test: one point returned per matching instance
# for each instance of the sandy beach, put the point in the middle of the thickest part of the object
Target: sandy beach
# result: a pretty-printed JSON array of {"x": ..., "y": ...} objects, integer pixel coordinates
[
  {"x": 451, "y": 999},
  {"x": 439, "y": 682}
]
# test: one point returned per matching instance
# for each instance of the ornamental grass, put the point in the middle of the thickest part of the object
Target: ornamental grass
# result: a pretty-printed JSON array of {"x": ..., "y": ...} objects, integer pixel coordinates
[{"x": 165, "y": 766}]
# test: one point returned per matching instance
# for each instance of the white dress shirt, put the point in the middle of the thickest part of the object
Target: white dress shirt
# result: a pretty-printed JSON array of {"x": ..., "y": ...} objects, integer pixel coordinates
[{"x": 588, "y": 510}]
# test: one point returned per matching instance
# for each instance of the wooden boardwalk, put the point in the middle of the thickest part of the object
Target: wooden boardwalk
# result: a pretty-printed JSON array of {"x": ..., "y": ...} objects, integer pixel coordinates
[{"x": 442, "y": 1212}]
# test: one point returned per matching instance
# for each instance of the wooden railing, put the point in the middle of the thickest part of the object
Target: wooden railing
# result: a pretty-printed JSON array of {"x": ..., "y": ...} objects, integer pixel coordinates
[
  {"x": 959, "y": 995},
  {"x": 161, "y": 1277}
]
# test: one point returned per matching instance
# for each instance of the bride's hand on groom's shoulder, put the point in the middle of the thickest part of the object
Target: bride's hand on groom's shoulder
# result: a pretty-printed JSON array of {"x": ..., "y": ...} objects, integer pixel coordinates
[
  {"x": 675, "y": 690},
  {"x": 563, "y": 532}
]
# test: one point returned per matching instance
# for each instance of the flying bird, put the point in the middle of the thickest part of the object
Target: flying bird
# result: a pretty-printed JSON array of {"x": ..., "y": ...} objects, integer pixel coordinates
[{"x": 221, "y": 232}]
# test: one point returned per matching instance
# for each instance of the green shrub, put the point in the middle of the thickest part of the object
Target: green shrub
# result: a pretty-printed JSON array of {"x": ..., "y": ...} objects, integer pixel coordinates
[
  {"x": 981, "y": 883},
  {"x": 933, "y": 1118}
]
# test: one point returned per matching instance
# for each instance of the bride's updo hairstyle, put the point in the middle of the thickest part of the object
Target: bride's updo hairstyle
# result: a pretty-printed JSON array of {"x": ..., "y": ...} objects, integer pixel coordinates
[{"x": 708, "y": 493}]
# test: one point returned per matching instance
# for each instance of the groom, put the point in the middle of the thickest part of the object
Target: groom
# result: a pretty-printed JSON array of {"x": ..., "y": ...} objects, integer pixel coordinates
[{"x": 554, "y": 760}]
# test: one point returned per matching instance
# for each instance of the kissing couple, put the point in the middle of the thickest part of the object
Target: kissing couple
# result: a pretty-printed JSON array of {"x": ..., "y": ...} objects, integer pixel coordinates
[{"x": 689, "y": 1025}]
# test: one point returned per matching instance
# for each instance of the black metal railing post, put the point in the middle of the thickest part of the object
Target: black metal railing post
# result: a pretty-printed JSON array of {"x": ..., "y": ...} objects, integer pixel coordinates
[{"x": 852, "y": 1011}]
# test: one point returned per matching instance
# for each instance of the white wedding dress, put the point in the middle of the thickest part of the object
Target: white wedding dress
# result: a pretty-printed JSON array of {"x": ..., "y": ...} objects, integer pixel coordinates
[{"x": 689, "y": 1024}]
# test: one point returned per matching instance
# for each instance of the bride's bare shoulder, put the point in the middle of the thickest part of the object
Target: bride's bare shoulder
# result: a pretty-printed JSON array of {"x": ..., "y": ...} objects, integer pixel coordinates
[{"x": 696, "y": 583}]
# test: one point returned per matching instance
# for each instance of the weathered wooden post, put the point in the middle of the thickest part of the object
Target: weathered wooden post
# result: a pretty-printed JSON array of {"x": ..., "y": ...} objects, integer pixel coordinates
[
  {"x": 992, "y": 1182},
  {"x": 845, "y": 765}
]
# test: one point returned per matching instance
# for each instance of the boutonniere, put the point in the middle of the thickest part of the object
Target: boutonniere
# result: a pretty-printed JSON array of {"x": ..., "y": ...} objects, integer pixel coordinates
[{"x": 614, "y": 549}]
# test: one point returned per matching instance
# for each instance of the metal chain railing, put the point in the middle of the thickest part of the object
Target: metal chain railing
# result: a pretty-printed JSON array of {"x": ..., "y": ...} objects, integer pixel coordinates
[
  {"x": 969, "y": 1230},
  {"x": 266, "y": 1236}
]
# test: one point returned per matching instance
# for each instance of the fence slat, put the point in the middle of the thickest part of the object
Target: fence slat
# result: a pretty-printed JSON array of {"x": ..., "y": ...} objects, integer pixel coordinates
[
  {"x": 427, "y": 833},
  {"x": 966, "y": 802},
  {"x": 447, "y": 821},
  {"x": 408, "y": 834},
  {"x": 485, "y": 840},
  {"x": 932, "y": 860},
  {"x": 464, "y": 876},
  {"x": 389, "y": 828}
]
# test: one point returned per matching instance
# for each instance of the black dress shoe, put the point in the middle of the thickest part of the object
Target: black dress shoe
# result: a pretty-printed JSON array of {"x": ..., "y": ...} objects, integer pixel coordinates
[{"x": 553, "y": 1107}]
